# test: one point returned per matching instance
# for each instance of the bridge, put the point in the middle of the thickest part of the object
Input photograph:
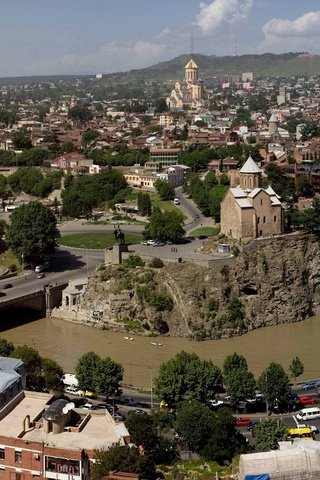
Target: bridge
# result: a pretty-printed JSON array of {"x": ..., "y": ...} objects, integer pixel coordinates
[{"x": 42, "y": 300}]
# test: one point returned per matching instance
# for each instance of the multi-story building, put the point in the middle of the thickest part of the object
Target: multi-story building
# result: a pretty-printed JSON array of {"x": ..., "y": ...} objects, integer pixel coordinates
[{"x": 52, "y": 439}]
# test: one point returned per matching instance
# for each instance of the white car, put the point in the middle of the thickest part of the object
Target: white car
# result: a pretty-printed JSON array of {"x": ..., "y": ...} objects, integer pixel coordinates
[{"x": 73, "y": 391}]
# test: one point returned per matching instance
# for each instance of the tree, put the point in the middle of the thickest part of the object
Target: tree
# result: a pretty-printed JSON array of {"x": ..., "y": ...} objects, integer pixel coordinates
[
  {"x": 240, "y": 383},
  {"x": 107, "y": 376},
  {"x": 165, "y": 226},
  {"x": 193, "y": 425},
  {"x": 210, "y": 181},
  {"x": 52, "y": 373},
  {"x": 164, "y": 189},
  {"x": 274, "y": 384},
  {"x": 185, "y": 376},
  {"x": 144, "y": 204},
  {"x": 80, "y": 113},
  {"x": 89, "y": 136},
  {"x": 143, "y": 431},
  {"x": 124, "y": 459},
  {"x": 86, "y": 370},
  {"x": 304, "y": 187},
  {"x": 32, "y": 231},
  {"x": 3, "y": 185},
  {"x": 310, "y": 218},
  {"x": 32, "y": 362},
  {"x": 6, "y": 348},
  {"x": 296, "y": 368},
  {"x": 21, "y": 139},
  {"x": 269, "y": 433},
  {"x": 224, "y": 441}
]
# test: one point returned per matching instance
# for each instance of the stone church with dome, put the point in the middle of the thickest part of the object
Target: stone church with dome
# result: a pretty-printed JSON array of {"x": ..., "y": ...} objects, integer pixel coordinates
[
  {"x": 249, "y": 210},
  {"x": 190, "y": 93}
]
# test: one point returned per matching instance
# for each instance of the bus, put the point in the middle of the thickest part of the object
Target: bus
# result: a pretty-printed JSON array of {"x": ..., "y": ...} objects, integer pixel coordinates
[{"x": 303, "y": 432}]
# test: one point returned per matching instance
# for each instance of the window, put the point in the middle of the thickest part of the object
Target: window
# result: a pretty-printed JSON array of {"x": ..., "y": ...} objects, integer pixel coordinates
[
  {"x": 18, "y": 475},
  {"x": 264, "y": 219},
  {"x": 261, "y": 201},
  {"x": 258, "y": 219},
  {"x": 2, "y": 453},
  {"x": 18, "y": 457},
  {"x": 275, "y": 218}
]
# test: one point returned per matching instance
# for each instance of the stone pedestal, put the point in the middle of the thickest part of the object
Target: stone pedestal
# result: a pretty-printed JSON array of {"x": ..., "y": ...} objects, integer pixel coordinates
[{"x": 114, "y": 255}]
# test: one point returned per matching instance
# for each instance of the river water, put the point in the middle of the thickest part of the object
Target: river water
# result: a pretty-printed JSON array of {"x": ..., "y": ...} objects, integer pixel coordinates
[{"x": 65, "y": 342}]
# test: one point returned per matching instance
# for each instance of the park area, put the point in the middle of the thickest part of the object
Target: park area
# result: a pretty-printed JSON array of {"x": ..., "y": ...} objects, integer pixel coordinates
[{"x": 96, "y": 241}]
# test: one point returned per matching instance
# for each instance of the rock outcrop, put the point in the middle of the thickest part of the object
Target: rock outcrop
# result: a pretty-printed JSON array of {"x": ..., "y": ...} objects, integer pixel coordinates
[{"x": 277, "y": 282}]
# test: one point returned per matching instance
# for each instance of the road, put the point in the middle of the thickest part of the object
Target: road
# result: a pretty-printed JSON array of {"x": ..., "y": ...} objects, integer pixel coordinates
[
  {"x": 66, "y": 265},
  {"x": 195, "y": 219}
]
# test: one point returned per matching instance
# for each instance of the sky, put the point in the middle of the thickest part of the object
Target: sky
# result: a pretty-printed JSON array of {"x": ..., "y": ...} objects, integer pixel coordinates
[{"x": 45, "y": 37}]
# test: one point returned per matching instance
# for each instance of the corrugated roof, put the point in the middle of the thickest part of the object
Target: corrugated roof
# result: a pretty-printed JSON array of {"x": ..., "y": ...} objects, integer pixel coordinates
[{"x": 250, "y": 167}]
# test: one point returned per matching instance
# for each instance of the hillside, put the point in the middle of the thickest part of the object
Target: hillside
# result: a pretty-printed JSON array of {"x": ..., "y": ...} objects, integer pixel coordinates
[{"x": 267, "y": 64}]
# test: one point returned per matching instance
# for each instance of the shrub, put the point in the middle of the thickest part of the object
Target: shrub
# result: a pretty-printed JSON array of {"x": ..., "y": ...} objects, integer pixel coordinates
[
  {"x": 213, "y": 305},
  {"x": 134, "y": 261},
  {"x": 160, "y": 301},
  {"x": 13, "y": 267},
  {"x": 156, "y": 263}
]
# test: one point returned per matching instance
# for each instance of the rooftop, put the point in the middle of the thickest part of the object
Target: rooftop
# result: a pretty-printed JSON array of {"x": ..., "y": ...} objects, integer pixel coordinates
[
  {"x": 250, "y": 166},
  {"x": 99, "y": 431}
]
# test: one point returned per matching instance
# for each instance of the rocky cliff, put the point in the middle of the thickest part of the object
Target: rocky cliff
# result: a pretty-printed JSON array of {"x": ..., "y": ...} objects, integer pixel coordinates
[{"x": 277, "y": 282}]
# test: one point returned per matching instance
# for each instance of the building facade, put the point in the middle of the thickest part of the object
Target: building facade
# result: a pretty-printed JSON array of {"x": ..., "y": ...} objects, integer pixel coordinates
[
  {"x": 250, "y": 211},
  {"x": 190, "y": 93}
]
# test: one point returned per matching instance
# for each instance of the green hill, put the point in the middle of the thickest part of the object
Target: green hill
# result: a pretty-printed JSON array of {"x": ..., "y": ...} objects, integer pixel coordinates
[{"x": 267, "y": 64}]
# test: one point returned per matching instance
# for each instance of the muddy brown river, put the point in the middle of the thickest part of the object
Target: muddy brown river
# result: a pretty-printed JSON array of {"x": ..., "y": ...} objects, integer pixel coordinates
[{"x": 65, "y": 342}]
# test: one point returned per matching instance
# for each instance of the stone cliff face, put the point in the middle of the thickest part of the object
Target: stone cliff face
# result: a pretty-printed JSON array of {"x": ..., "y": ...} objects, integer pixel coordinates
[{"x": 279, "y": 282}]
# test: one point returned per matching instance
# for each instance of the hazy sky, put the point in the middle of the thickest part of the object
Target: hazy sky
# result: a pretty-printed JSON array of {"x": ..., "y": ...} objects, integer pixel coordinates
[{"x": 91, "y": 36}]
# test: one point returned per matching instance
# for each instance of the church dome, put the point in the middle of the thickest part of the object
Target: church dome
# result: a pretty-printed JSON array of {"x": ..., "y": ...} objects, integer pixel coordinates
[{"x": 250, "y": 166}]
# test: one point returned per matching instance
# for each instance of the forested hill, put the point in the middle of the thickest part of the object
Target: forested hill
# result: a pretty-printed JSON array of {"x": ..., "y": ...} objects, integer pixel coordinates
[{"x": 267, "y": 64}]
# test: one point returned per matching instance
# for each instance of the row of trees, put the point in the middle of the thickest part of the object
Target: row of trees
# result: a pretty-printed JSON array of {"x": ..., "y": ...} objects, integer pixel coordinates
[
  {"x": 84, "y": 193},
  {"x": 30, "y": 180},
  {"x": 209, "y": 193},
  {"x": 187, "y": 377}
]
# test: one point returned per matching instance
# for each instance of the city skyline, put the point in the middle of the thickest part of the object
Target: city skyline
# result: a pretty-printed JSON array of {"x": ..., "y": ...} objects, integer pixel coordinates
[{"x": 82, "y": 37}]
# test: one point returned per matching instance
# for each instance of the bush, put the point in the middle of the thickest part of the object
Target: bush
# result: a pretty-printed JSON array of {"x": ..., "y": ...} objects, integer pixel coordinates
[
  {"x": 13, "y": 267},
  {"x": 156, "y": 263},
  {"x": 213, "y": 305},
  {"x": 160, "y": 301},
  {"x": 134, "y": 261}
]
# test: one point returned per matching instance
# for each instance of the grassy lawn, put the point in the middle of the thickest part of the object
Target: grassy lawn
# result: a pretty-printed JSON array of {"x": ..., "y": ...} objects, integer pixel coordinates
[
  {"x": 96, "y": 240},
  {"x": 165, "y": 205},
  {"x": 7, "y": 259},
  {"x": 208, "y": 231}
]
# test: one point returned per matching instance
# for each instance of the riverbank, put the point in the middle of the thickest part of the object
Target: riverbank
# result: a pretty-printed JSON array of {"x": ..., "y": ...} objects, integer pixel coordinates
[{"x": 65, "y": 342}]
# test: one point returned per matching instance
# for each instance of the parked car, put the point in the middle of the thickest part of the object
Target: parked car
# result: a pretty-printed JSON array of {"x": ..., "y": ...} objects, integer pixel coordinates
[
  {"x": 41, "y": 275},
  {"x": 99, "y": 406},
  {"x": 308, "y": 399},
  {"x": 86, "y": 393},
  {"x": 243, "y": 421},
  {"x": 136, "y": 411},
  {"x": 130, "y": 401},
  {"x": 310, "y": 385},
  {"x": 313, "y": 428},
  {"x": 7, "y": 285},
  {"x": 73, "y": 391},
  {"x": 159, "y": 244},
  {"x": 118, "y": 417},
  {"x": 145, "y": 242}
]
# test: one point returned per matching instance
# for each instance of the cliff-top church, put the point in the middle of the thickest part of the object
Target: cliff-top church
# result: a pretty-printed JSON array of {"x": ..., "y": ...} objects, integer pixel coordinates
[
  {"x": 250, "y": 211},
  {"x": 190, "y": 93}
]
